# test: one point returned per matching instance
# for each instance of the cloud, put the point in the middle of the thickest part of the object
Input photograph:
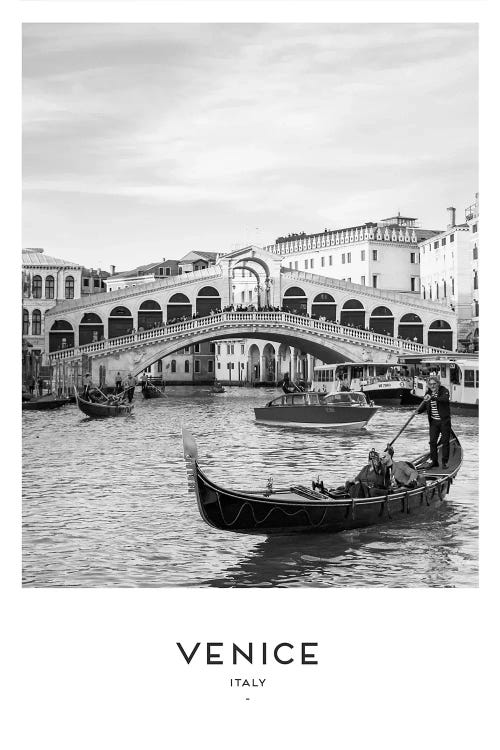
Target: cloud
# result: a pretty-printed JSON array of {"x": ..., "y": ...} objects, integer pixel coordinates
[{"x": 271, "y": 121}]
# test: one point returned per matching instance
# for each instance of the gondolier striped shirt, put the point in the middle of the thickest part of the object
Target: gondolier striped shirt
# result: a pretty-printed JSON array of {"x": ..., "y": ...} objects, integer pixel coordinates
[{"x": 434, "y": 409}]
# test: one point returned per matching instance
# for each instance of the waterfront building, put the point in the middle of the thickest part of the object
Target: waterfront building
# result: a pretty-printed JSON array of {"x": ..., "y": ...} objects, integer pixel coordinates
[
  {"x": 381, "y": 254},
  {"x": 472, "y": 218},
  {"x": 46, "y": 281},
  {"x": 448, "y": 272}
]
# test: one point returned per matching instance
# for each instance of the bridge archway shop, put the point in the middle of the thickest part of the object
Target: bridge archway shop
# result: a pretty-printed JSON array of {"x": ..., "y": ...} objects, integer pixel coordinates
[
  {"x": 324, "y": 306},
  {"x": 382, "y": 321},
  {"x": 61, "y": 336},
  {"x": 149, "y": 315},
  {"x": 440, "y": 334},
  {"x": 120, "y": 322},
  {"x": 207, "y": 301},
  {"x": 295, "y": 301},
  {"x": 179, "y": 306},
  {"x": 91, "y": 329},
  {"x": 353, "y": 314},
  {"x": 411, "y": 328}
]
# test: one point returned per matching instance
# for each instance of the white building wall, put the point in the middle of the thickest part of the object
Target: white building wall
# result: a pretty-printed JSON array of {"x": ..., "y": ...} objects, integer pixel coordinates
[{"x": 445, "y": 270}]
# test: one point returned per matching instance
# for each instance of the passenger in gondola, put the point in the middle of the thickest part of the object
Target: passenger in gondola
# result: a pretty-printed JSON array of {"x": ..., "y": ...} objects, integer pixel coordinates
[
  {"x": 118, "y": 382},
  {"x": 373, "y": 479}
]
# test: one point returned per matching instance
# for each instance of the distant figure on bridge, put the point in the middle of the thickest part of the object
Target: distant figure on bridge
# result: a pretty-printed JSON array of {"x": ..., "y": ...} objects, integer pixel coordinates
[
  {"x": 118, "y": 382},
  {"x": 131, "y": 383}
]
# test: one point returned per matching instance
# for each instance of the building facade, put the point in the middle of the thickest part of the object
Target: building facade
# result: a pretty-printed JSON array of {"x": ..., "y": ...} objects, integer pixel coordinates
[
  {"x": 46, "y": 281},
  {"x": 449, "y": 272},
  {"x": 382, "y": 254}
]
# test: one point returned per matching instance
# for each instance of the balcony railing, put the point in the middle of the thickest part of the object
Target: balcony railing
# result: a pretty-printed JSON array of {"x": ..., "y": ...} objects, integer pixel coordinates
[{"x": 247, "y": 320}]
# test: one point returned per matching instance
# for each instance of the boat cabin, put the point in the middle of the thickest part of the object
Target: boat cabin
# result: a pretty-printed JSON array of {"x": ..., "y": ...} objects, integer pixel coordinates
[
  {"x": 318, "y": 399},
  {"x": 459, "y": 375},
  {"x": 357, "y": 375}
]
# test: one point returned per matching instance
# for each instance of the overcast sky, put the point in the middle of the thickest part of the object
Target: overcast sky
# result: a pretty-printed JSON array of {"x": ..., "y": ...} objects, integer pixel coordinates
[{"x": 144, "y": 141}]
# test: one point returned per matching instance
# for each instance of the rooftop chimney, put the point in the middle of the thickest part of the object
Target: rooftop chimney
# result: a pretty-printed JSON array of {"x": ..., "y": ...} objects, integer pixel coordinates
[
  {"x": 113, "y": 270},
  {"x": 451, "y": 216}
]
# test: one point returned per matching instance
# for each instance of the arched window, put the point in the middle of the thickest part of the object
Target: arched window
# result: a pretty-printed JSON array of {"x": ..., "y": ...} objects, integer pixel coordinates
[
  {"x": 69, "y": 287},
  {"x": 150, "y": 314},
  {"x": 186, "y": 365},
  {"x": 353, "y": 314},
  {"x": 475, "y": 280},
  {"x": 411, "y": 328},
  {"x": 49, "y": 287},
  {"x": 382, "y": 321},
  {"x": 178, "y": 307},
  {"x": 120, "y": 322},
  {"x": 91, "y": 329},
  {"x": 295, "y": 301},
  {"x": 324, "y": 306},
  {"x": 440, "y": 335},
  {"x": 61, "y": 336},
  {"x": 207, "y": 301},
  {"x": 37, "y": 287},
  {"x": 173, "y": 366},
  {"x": 36, "y": 323},
  {"x": 26, "y": 322},
  {"x": 444, "y": 288}
]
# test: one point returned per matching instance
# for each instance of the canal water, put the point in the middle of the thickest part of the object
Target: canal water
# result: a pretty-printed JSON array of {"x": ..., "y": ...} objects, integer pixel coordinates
[{"x": 106, "y": 503}]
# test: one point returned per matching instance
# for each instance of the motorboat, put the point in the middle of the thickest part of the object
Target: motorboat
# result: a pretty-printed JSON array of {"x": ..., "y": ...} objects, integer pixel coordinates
[{"x": 312, "y": 409}]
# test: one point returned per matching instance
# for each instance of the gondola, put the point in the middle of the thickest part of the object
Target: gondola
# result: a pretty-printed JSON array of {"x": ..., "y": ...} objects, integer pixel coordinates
[
  {"x": 44, "y": 403},
  {"x": 94, "y": 409},
  {"x": 151, "y": 391},
  {"x": 298, "y": 508},
  {"x": 217, "y": 388}
]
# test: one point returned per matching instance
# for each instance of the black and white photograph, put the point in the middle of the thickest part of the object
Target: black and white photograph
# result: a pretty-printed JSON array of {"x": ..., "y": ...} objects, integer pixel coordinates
[
  {"x": 247, "y": 504},
  {"x": 250, "y": 305}
]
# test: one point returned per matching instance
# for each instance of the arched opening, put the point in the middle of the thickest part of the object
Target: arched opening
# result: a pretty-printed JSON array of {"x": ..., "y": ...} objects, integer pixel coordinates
[
  {"x": 178, "y": 307},
  {"x": 353, "y": 314},
  {"x": 149, "y": 315},
  {"x": 284, "y": 361},
  {"x": 268, "y": 373},
  {"x": 295, "y": 301},
  {"x": 382, "y": 321},
  {"x": 26, "y": 322},
  {"x": 440, "y": 334},
  {"x": 36, "y": 323},
  {"x": 253, "y": 363},
  {"x": 207, "y": 301},
  {"x": 61, "y": 336},
  {"x": 411, "y": 328},
  {"x": 324, "y": 306},
  {"x": 91, "y": 329},
  {"x": 120, "y": 322}
]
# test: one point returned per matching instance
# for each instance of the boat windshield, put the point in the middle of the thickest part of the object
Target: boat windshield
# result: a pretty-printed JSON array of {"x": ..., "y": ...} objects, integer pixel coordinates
[
  {"x": 347, "y": 399},
  {"x": 296, "y": 399}
]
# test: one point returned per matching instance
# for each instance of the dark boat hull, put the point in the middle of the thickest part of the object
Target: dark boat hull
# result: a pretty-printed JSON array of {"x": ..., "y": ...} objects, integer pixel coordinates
[
  {"x": 44, "y": 404},
  {"x": 301, "y": 510},
  {"x": 148, "y": 392},
  {"x": 315, "y": 416},
  {"x": 103, "y": 410}
]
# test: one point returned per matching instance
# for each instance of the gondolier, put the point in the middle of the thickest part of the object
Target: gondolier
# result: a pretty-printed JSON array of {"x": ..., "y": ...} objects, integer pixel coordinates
[
  {"x": 131, "y": 383},
  {"x": 437, "y": 405}
]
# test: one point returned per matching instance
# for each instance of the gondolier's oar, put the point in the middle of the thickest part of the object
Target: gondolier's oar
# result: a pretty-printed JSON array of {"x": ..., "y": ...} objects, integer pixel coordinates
[
  {"x": 150, "y": 385},
  {"x": 403, "y": 428}
]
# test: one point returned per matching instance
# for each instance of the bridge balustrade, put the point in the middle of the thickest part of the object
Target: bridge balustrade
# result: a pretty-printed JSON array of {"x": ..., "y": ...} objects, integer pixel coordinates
[{"x": 280, "y": 318}]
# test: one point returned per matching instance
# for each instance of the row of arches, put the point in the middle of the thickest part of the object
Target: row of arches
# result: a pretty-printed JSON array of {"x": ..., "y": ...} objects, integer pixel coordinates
[{"x": 91, "y": 328}]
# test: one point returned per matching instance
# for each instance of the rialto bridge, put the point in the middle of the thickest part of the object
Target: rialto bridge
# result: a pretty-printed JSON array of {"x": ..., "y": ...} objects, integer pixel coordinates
[{"x": 334, "y": 321}]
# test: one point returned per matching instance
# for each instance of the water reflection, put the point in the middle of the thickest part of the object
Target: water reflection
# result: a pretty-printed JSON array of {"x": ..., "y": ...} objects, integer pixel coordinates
[{"x": 105, "y": 502}]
